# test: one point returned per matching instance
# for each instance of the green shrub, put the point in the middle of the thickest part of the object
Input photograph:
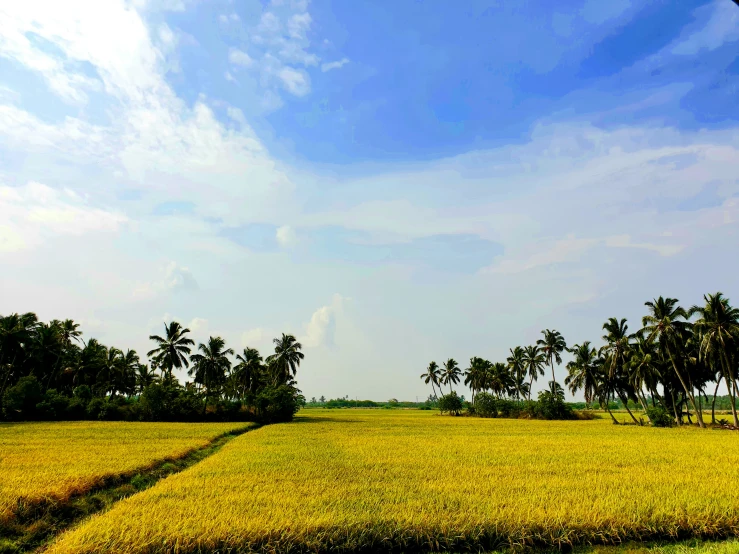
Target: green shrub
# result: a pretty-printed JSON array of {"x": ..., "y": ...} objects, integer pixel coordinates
[
  {"x": 53, "y": 406},
  {"x": 659, "y": 417},
  {"x": 19, "y": 401},
  {"x": 485, "y": 405},
  {"x": 450, "y": 403},
  {"x": 277, "y": 404}
]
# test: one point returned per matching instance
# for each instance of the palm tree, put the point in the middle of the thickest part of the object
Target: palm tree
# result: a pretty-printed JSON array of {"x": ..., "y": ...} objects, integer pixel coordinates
[
  {"x": 584, "y": 371},
  {"x": 144, "y": 377},
  {"x": 517, "y": 366},
  {"x": 286, "y": 359},
  {"x": 432, "y": 376},
  {"x": 172, "y": 349},
  {"x": 248, "y": 370},
  {"x": 127, "y": 371},
  {"x": 552, "y": 345},
  {"x": 667, "y": 324},
  {"x": 211, "y": 366},
  {"x": 498, "y": 379},
  {"x": 616, "y": 353},
  {"x": 475, "y": 375},
  {"x": 16, "y": 333},
  {"x": 643, "y": 369},
  {"x": 450, "y": 374},
  {"x": 534, "y": 361},
  {"x": 718, "y": 331}
]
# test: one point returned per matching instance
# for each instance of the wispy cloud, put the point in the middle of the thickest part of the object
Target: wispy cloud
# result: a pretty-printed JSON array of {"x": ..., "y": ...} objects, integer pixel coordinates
[{"x": 334, "y": 65}]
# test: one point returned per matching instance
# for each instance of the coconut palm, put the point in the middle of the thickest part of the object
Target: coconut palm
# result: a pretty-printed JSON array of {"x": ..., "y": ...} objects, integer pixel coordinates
[
  {"x": 616, "y": 352},
  {"x": 584, "y": 371},
  {"x": 475, "y": 375},
  {"x": 643, "y": 368},
  {"x": 247, "y": 371},
  {"x": 432, "y": 376},
  {"x": 285, "y": 361},
  {"x": 211, "y": 365},
  {"x": 533, "y": 360},
  {"x": 667, "y": 324},
  {"x": 451, "y": 372},
  {"x": 172, "y": 350},
  {"x": 552, "y": 345},
  {"x": 518, "y": 368},
  {"x": 499, "y": 380},
  {"x": 144, "y": 377},
  {"x": 718, "y": 333}
]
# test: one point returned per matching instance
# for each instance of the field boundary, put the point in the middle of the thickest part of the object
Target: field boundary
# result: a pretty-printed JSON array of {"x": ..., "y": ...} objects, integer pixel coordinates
[{"x": 32, "y": 525}]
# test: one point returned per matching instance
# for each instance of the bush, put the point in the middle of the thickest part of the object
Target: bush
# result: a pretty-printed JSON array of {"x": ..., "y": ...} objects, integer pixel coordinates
[
  {"x": 53, "y": 406},
  {"x": 551, "y": 406},
  {"x": 277, "y": 404},
  {"x": 450, "y": 403},
  {"x": 19, "y": 401},
  {"x": 659, "y": 417},
  {"x": 485, "y": 405}
]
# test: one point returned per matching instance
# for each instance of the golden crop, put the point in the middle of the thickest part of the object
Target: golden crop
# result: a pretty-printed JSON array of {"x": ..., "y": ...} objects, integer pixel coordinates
[
  {"x": 372, "y": 478},
  {"x": 54, "y": 460}
]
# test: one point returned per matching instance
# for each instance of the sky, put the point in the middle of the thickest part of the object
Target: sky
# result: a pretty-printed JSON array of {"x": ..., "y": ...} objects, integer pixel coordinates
[{"x": 392, "y": 182}]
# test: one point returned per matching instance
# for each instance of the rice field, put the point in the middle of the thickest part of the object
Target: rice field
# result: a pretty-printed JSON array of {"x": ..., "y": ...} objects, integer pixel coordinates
[
  {"x": 366, "y": 480},
  {"x": 51, "y": 461}
]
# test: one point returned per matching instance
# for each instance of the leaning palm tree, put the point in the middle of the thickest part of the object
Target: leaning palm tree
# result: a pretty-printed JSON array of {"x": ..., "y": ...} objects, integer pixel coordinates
[
  {"x": 584, "y": 371},
  {"x": 643, "y": 369},
  {"x": 552, "y": 345},
  {"x": 616, "y": 352},
  {"x": 286, "y": 359},
  {"x": 718, "y": 332},
  {"x": 211, "y": 365},
  {"x": 518, "y": 368},
  {"x": 533, "y": 360},
  {"x": 667, "y": 324},
  {"x": 247, "y": 371},
  {"x": 432, "y": 376},
  {"x": 451, "y": 372},
  {"x": 172, "y": 349}
]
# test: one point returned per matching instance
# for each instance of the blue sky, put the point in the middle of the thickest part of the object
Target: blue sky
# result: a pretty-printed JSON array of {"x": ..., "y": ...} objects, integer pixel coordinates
[{"x": 392, "y": 182}]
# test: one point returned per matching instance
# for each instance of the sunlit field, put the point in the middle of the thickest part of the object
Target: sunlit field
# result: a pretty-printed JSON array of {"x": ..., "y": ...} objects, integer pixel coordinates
[
  {"x": 51, "y": 461},
  {"x": 376, "y": 479}
]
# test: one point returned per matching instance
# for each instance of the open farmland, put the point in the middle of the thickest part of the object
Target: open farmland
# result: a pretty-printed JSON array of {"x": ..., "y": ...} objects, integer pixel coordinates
[
  {"x": 364, "y": 479},
  {"x": 51, "y": 461}
]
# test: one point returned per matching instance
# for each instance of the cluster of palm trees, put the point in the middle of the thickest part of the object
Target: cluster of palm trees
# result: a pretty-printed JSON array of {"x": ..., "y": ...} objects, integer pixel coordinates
[
  {"x": 671, "y": 362},
  {"x": 55, "y": 355}
]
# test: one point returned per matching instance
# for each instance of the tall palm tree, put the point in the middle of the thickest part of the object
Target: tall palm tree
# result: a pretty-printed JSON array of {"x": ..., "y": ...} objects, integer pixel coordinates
[
  {"x": 451, "y": 372},
  {"x": 286, "y": 359},
  {"x": 718, "y": 331},
  {"x": 552, "y": 345},
  {"x": 127, "y": 371},
  {"x": 247, "y": 371},
  {"x": 667, "y": 324},
  {"x": 499, "y": 379},
  {"x": 616, "y": 352},
  {"x": 173, "y": 349},
  {"x": 584, "y": 371},
  {"x": 475, "y": 375},
  {"x": 517, "y": 366},
  {"x": 16, "y": 333},
  {"x": 432, "y": 376},
  {"x": 211, "y": 365},
  {"x": 643, "y": 368},
  {"x": 534, "y": 361}
]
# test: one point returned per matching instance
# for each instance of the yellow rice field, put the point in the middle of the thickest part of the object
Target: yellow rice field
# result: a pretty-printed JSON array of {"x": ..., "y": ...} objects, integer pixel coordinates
[
  {"x": 40, "y": 461},
  {"x": 376, "y": 479}
]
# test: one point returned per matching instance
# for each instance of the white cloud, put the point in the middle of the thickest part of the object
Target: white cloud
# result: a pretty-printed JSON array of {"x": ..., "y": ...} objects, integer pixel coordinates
[
  {"x": 554, "y": 252},
  {"x": 295, "y": 82},
  {"x": 254, "y": 338},
  {"x": 237, "y": 57},
  {"x": 174, "y": 278},
  {"x": 298, "y": 25},
  {"x": 33, "y": 212},
  {"x": 198, "y": 325},
  {"x": 319, "y": 331},
  {"x": 334, "y": 65},
  {"x": 286, "y": 236},
  {"x": 229, "y": 18}
]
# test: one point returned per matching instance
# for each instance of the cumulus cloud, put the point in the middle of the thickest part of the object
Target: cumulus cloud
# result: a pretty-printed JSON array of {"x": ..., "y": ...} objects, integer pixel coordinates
[
  {"x": 237, "y": 57},
  {"x": 319, "y": 331},
  {"x": 285, "y": 236}
]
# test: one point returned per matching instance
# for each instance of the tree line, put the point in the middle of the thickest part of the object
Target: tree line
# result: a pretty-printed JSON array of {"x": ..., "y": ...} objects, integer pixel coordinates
[
  {"x": 668, "y": 367},
  {"x": 47, "y": 371}
]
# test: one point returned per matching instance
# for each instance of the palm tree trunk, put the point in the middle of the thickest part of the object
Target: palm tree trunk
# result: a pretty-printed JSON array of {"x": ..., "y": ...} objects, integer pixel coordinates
[
  {"x": 713, "y": 404},
  {"x": 687, "y": 391},
  {"x": 531, "y": 384},
  {"x": 553, "y": 379},
  {"x": 730, "y": 384}
]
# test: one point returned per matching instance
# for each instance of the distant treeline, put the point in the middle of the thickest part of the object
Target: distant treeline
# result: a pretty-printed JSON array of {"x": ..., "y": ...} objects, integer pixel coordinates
[
  {"x": 48, "y": 372},
  {"x": 670, "y": 369}
]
